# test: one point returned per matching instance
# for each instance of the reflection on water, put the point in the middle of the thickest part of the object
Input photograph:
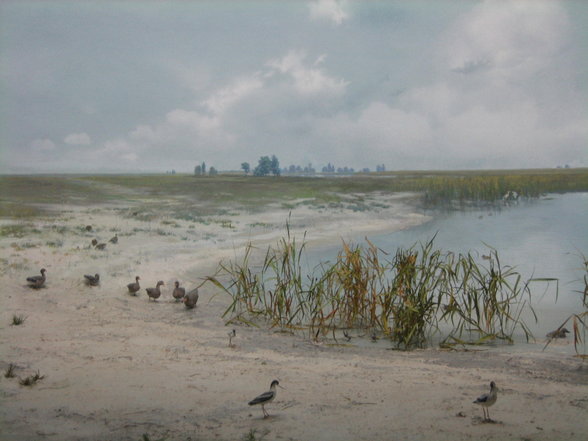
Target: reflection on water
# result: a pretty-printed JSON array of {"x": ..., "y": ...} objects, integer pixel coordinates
[{"x": 541, "y": 239}]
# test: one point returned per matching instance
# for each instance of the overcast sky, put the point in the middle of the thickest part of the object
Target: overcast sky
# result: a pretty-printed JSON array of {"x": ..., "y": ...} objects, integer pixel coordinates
[{"x": 141, "y": 86}]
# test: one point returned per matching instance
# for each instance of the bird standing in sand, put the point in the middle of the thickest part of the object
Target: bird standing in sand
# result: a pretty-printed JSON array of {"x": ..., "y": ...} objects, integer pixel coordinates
[
  {"x": 37, "y": 281},
  {"x": 232, "y": 333},
  {"x": 101, "y": 246},
  {"x": 488, "y": 400},
  {"x": 114, "y": 239},
  {"x": 558, "y": 333},
  {"x": 154, "y": 293},
  {"x": 266, "y": 397},
  {"x": 191, "y": 299},
  {"x": 134, "y": 287},
  {"x": 178, "y": 292},
  {"x": 92, "y": 280}
]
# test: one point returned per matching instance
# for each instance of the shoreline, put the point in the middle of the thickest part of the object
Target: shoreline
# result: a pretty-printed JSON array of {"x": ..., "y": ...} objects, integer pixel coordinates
[{"x": 117, "y": 367}]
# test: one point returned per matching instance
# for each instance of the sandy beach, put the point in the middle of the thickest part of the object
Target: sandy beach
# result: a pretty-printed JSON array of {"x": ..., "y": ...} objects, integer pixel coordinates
[{"x": 118, "y": 367}]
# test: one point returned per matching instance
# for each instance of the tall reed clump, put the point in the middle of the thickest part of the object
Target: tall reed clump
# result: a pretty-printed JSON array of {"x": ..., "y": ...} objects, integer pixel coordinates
[
  {"x": 408, "y": 296},
  {"x": 580, "y": 320}
]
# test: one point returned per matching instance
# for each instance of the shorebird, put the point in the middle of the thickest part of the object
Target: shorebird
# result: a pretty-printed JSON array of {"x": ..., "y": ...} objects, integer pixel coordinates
[
  {"x": 37, "y": 281},
  {"x": 92, "y": 280},
  {"x": 191, "y": 299},
  {"x": 347, "y": 336},
  {"x": 231, "y": 334},
  {"x": 558, "y": 333},
  {"x": 266, "y": 397},
  {"x": 100, "y": 246},
  {"x": 114, "y": 239},
  {"x": 154, "y": 293},
  {"x": 134, "y": 287},
  {"x": 488, "y": 400},
  {"x": 178, "y": 292}
]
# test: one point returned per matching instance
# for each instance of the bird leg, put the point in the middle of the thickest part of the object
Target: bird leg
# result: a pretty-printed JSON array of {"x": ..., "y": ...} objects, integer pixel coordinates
[{"x": 265, "y": 414}]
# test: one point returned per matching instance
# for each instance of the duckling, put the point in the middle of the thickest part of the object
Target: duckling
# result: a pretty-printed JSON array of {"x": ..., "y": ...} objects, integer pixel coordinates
[
  {"x": 154, "y": 293},
  {"x": 134, "y": 287},
  {"x": 92, "y": 280},
  {"x": 37, "y": 281},
  {"x": 178, "y": 292},
  {"x": 94, "y": 242},
  {"x": 558, "y": 333},
  {"x": 191, "y": 299}
]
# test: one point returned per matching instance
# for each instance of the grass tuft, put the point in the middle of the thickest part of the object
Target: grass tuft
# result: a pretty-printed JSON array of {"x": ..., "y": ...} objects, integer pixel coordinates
[
  {"x": 31, "y": 379},
  {"x": 18, "y": 320}
]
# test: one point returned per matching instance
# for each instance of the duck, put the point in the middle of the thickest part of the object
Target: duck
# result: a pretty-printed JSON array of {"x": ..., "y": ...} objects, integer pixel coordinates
[
  {"x": 154, "y": 293},
  {"x": 178, "y": 292},
  {"x": 92, "y": 280},
  {"x": 37, "y": 281},
  {"x": 558, "y": 333},
  {"x": 191, "y": 299},
  {"x": 134, "y": 287},
  {"x": 114, "y": 239},
  {"x": 100, "y": 246},
  {"x": 94, "y": 242}
]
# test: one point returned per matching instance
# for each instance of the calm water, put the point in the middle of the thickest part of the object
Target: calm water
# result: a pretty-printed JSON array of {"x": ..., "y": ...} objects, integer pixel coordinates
[{"x": 544, "y": 238}]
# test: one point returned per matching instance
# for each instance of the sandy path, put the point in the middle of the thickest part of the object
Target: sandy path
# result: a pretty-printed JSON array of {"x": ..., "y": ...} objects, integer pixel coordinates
[{"x": 118, "y": 367}]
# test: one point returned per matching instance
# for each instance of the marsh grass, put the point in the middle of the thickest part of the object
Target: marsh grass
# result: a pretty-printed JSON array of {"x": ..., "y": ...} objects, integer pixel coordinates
[
  {"x": 579, "y": 320},
  {"x": 18, "y": 320},
  {"x": 408, "y": 297},
  {"x": 9, "y": 373},
  {"x": 31, "y": 379}
]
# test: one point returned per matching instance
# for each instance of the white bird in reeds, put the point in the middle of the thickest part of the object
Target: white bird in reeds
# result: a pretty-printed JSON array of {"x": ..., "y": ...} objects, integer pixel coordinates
[
  {"x": 266, "y": 397},
  {"x": 488, "y": 400},
  {"x": 37, "y": 281}
]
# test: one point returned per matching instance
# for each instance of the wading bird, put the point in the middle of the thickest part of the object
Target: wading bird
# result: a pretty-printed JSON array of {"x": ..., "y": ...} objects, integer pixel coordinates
[
  {"x": 92, "y": 280},
  {"x": 488, "y": 400},
  {"x": 266, "y": 397}
]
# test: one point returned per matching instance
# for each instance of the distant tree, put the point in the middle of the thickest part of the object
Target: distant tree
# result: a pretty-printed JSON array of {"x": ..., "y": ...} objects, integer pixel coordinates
[
  {"x": 292, "y": 169},
  {"x": 204, "y": 168},
  {"x": 198, "y": 170},
  {"x": 246, "y": 167},
  {"x": 366, "y": 170},
  {"x": 275, "y": 166},
  {"x": 264, "y": 166},
  {"x": 212, "y": 171}
]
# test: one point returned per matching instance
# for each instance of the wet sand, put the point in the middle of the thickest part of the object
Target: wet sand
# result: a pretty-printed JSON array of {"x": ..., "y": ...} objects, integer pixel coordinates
[{"x": 117, "y": 367}]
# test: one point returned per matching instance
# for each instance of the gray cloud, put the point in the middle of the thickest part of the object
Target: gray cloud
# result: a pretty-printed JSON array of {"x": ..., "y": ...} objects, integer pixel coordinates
[{"x": 490, "y": 84}]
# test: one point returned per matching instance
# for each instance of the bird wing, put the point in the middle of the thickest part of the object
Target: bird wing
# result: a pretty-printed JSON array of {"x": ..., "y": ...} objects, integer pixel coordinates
[
  {"x": 263, "y": 398},
  {"x": 34, "y": 279},
  {"x": 482, "y": 399}
]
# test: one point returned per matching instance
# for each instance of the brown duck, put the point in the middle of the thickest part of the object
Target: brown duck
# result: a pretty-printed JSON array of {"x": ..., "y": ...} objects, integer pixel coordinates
[
  {"x": 92, "y": 280},
  {"x": 134, "y": 287},
  {"x": 154, "y": 293},
  {"x": 37, "y": 281},
  {"x": 178, "y": 292},
  {"x": 191, "y": 299}
]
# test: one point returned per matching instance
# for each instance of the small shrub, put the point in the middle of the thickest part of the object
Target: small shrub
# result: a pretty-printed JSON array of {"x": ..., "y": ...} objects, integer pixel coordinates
[{"x": 18, "y": 320}]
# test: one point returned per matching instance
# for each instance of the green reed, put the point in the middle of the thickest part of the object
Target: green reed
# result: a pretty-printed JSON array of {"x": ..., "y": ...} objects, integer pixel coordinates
[{"x": 408, "y": 297}]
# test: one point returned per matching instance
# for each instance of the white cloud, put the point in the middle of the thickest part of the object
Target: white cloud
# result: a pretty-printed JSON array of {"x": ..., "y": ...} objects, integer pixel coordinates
[
  {"x": 308, "y": 80},
  {"x": 42, "y": 144},
  {"x": 78, "y": 139},
  {"x": 331, "y": 10},
  {"x": 228, "y": 96}
]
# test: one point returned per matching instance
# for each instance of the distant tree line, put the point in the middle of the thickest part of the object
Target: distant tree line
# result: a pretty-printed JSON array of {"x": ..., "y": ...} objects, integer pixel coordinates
[{"x": 267, "y": 165}]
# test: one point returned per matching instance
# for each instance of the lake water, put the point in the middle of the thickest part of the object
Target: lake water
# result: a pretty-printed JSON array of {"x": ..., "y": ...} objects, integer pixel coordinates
[{"x": 543, "y": 238}]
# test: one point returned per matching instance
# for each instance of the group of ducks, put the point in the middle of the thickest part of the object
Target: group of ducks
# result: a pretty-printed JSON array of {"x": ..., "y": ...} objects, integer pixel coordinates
[
  {"x": 179, "y": 293},
  {"x": 485, "y": 400}
]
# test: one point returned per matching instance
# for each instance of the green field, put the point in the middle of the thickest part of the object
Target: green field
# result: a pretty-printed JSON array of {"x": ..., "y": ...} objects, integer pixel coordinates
[{"x": 28, "y": 196}]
